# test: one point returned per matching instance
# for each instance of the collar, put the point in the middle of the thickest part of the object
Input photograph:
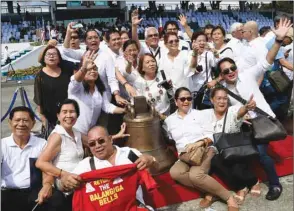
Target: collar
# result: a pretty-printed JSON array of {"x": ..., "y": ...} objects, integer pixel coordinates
[
  {"x": 118, "y": 151},
  {"x": 115, "y": 55},
  {"x": 152, "y": 49},
  {"x": 179, "y": 116},
  {"x": 62, "y": 131},
  {"x": 11, "y": 142}
]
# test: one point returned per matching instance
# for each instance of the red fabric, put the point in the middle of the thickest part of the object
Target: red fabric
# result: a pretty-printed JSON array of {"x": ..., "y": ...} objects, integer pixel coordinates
[{"x": 100, "y": 193}]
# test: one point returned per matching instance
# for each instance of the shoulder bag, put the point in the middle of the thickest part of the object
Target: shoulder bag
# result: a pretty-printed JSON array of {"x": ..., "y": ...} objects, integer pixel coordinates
[
  {"x": 234, "y": 147},
  {"x": 279, "y": 80},
  {"x": 265, "y": 128}
]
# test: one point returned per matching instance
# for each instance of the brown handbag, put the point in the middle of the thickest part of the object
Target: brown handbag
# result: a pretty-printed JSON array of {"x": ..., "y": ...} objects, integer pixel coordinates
[{"x": 195, "y": 157}]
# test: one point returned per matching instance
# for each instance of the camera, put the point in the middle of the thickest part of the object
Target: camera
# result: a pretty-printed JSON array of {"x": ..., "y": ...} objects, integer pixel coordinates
[
  {"x": 199, "y": 68},
  {"x": 165, "y": 85}
]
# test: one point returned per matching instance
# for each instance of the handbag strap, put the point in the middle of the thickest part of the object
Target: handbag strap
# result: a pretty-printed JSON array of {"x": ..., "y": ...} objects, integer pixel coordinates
[
  {"x": 206, "y": 69},
  {"x": 241, "y": 100},
  {"x": 224, "y": 125}
]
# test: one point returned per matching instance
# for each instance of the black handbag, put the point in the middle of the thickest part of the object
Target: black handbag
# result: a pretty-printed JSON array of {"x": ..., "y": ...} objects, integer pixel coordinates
[
  {"x": 234, "y": 147},
  {"x": 265, "y": 128},
  {"x": 279, "y": 80}
]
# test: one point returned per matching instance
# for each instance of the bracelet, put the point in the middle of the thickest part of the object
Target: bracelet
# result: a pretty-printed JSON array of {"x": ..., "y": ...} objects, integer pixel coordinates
[
  {"x": 279, "y": 41},
  {"x": 48, "y": 183}
]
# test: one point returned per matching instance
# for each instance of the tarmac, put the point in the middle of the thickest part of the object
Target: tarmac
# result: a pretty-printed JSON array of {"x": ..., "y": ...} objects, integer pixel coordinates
[{"x": 284, "y": 203}]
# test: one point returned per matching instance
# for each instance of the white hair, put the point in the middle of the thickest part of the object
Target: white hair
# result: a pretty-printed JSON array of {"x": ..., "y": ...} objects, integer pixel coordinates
[
  {"x": 148, "y": 29},
  {"x": 235, "y": 26}
]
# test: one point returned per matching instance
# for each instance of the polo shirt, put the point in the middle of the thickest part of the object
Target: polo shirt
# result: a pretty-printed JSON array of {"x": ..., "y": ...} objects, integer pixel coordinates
[{"x": 15, "y": 168}]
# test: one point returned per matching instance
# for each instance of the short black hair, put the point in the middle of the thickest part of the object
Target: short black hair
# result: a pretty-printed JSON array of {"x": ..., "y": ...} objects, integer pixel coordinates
[
  {"x": 197, "y": 34},
  {"x": 42, "y": 60},
  {"x": 226, "y": 59},
  {"x": 220, "y": 28},
  {"x": 171, "y": 23},
  {"x": 179, "y": 90},
  {"x": 69, "y": 101},
  {"x": 264, "y": 29},
  {"x": 130, "y": 42},
  {"x": 208, "y": 26},
  {"x": 110, "y": 32},
  {"x": 90, "y": 30},
  {"x": 216, "y": 89},
  {"x": 23, "y": 109}
]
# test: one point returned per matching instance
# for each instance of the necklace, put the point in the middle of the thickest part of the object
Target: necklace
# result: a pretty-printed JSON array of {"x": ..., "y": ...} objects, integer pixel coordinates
[{"x": 155, "y": 96}]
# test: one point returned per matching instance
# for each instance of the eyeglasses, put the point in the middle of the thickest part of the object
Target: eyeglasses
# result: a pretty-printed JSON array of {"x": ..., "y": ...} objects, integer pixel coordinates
[
  {"x": 51, "y": 54},
  {"x": 226, "y": 71},
  {"x": 74, "y": 37},
  {"x": 173, "y": 41},
  {"x": 152, "y": 35},
  {"x": 183, "y": 99},
  {"x": 93, "y": 143}
]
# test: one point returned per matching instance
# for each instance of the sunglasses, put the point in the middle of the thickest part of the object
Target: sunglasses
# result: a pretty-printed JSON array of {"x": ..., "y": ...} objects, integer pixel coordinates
[
  {"x": 152, "y": 35},
  {"x": 94, "y": 142},
  {"x": 183, "y": 99},
  {"x": 226, "y": 71},
  {"x": 173, "y": 41}
]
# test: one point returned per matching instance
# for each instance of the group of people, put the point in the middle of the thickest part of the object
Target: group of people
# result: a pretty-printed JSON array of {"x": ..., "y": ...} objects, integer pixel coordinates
[{"x": 82, "y": 95}]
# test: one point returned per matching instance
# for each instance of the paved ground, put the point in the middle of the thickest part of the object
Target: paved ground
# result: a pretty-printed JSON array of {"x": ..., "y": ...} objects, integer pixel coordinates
[{"x": 284, "y": 203}]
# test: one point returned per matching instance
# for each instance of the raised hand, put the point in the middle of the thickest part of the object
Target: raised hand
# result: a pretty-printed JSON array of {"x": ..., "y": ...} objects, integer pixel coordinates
[
  {"x": 135, "y": 18},
  {"x": 183, "y": 20},
  {"x": 251, "y": 104},
  {"x": 70, "y": 29},
  {"x": 88, "y": 60},
  {"x": 284, "y": 26}
]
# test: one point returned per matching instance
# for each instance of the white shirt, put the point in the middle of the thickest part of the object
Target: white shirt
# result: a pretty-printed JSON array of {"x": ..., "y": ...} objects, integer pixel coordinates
[
  {"x": 157, "y": 53},
  {"x": 53, "y": 33},
  {"x": 247, "y": 85},
  {"x": 64, "y": 57},
  {"x": 157, "y": 96},
  {"x": 254, "y": 52},
  {"x": 233, "y": 124},
  {"x": 196, "y": 80},
  {"x": 71, "y": 150},
  {"x": 15, "y": 168},
  {"x": 223, "y": 54},
  {"x": 90, "y": 105},
  {"x": 237, "y": 46},
  {"x": 186, "y": 130},
  {"x": 177, "y": 70},
  {"x": 121, "y": 158},
  {"x": 121, "y": 64}
]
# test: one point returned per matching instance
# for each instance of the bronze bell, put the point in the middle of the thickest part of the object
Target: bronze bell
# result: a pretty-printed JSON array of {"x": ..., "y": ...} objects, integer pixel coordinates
[{"x": 143, "y": 125}]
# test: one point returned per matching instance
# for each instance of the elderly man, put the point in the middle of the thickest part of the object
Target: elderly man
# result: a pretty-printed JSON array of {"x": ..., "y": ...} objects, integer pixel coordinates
[
  {"x": 106, "y": 155},
  {"x": 245, "y": 85},
  {"x": 18, "y": 190},
  {"x": 236, "y": 42}
]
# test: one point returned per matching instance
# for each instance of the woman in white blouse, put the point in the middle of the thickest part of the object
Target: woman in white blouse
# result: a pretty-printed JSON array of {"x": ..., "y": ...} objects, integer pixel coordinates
[
  {"x": 64, "y": 149},
  {"x": 186, "y": 128},
  {"x": 126, "y": 69},
  {"x": 88, "y": 90},
  {"x": 147, "y": 84},
  {"x": 176, "y": 63},
  {"x": 238, "y": 175},
  {"x": 221, "y": 50}
]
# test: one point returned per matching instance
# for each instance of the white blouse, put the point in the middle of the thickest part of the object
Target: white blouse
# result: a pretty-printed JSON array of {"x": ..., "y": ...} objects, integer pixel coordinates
[
  {"x": 71, "y": 150},
  {"x": 121, "y": 64},
  {"x": 197, "y": 79},
  {"x": 90, "y": 105},
  {"x": 177, "y": 70},
  {"x": 227, "y": 53},
  {"x": 154, "y": 94}
]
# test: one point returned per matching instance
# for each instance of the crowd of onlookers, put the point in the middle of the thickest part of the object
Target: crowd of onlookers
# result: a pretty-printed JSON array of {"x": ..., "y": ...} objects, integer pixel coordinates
[{"x": 82, "y": 95}]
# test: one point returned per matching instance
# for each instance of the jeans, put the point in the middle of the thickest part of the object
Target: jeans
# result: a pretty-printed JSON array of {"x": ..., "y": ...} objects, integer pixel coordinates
[{"x": 268, "y": 165}]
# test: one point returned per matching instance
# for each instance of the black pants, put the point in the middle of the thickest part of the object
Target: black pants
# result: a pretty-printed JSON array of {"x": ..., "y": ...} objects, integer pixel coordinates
[
  {"x": 24, "y": 200},
  {"x": 236, "y": 175}
]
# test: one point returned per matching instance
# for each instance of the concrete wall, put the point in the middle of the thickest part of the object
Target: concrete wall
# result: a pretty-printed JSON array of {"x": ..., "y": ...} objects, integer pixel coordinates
[{"x": 28, "y": 60}]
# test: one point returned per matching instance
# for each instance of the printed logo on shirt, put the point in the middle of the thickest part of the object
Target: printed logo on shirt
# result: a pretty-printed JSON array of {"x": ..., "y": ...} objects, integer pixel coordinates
[
  {"x": 89, "y": 188},
  {"x": 117, "y": 180}
]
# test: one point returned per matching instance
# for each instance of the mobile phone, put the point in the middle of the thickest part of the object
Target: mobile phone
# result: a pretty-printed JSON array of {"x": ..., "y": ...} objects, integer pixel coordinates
[
  {"x": 78, "y": 25},
  {"x": 165, "y": 84},
  {"x": 132, "y": 156}
]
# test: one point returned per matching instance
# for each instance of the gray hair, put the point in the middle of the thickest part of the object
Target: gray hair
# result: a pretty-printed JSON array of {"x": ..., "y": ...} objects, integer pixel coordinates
[
  {"x": 148, "y": 29},
  {"x": 234, "y": 26}
]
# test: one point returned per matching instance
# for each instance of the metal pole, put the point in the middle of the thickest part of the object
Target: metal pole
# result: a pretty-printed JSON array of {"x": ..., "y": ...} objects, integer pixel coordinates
[{"x": 21, "y": 90}]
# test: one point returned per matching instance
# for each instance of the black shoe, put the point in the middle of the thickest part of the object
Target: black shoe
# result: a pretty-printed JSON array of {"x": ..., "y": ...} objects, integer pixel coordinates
[{"x": 274, "y": 192}]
